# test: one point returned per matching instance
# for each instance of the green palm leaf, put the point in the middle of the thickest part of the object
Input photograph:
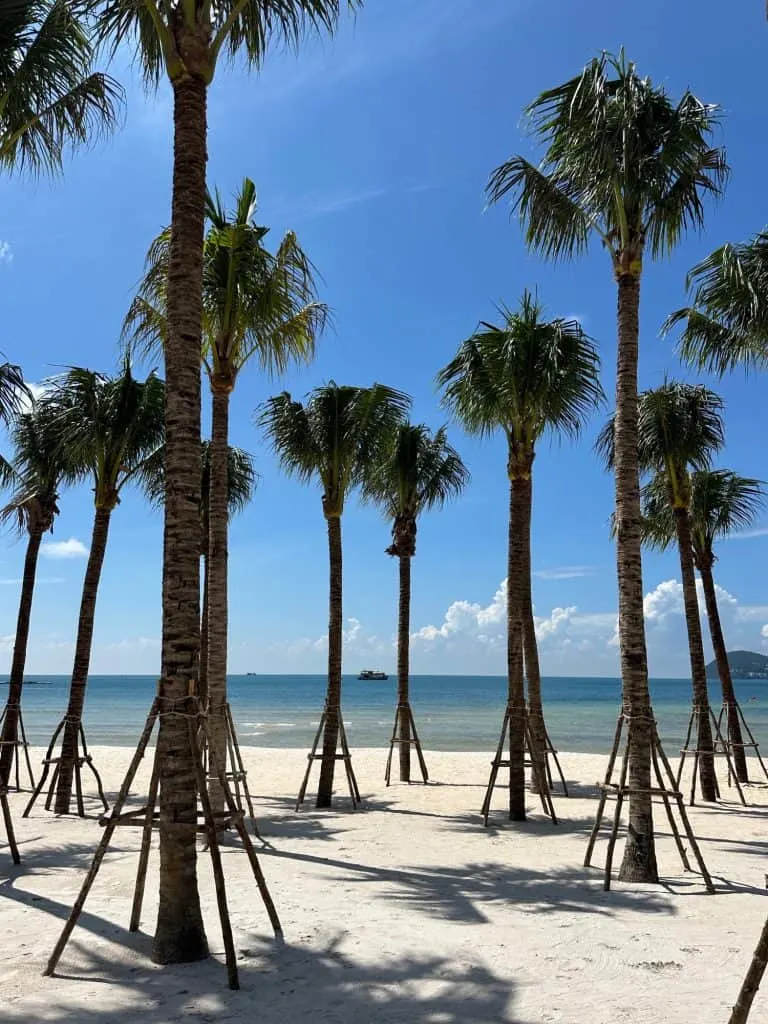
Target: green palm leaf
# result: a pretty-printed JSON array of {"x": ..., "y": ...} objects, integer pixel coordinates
[{"x": 50, "y": 96}]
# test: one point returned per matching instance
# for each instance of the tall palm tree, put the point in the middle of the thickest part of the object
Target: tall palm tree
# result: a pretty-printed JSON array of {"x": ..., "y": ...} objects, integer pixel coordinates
[
  {"x": 727, "y": 323},
  {"x": 40, "y": 466},
  {"x": 109, "y": 428},
  {"x": 627, "y": 165},
  {"x": 50, "y": 96},
  {"x": 680, "y": 426},
  {"x": 721, "y": 503},
  {"x": 332, "y": 438},
  {"x": 525, "y": 377},
  {"x": 256, "y": 306},
  {"x": 420, "y": 471},
  {"x": 185, "y": 41},
  {"x": 241, "y": 483}
]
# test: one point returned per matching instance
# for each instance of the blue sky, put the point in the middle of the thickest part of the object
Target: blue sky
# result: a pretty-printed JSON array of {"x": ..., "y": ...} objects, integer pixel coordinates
[{"x": 375, "y": 148}]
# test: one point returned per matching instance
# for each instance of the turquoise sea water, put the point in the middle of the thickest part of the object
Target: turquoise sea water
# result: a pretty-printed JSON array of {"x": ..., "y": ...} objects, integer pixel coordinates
[{"x": 452, "y": 712}]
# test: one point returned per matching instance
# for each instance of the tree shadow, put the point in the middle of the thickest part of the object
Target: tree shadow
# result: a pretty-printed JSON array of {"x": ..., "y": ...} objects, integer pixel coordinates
[
  {"x": 279, "y": 985},
  {"x": 463, "y": 893}
]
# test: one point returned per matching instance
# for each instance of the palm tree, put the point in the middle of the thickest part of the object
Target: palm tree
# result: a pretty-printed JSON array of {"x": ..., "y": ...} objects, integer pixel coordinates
[
  {"x": 727, "y": 323},
  {"x": 39, "y": 468},
  {"x": 256, "y": 305},
  {"x": 626, "y": 164},
  {"x": 241, "y": 483},
  {"x": 680, "y": 426},
  {"x": 721, "y": 503},
  {"x": 332, "y": 438},
  {"x": 420, "y": 471},
  {"x": 524, "y": 377},
  {"x": 185, "y": 41},
  {"x": 50, "y": 96},
  {"x": 109, "y": 428}
]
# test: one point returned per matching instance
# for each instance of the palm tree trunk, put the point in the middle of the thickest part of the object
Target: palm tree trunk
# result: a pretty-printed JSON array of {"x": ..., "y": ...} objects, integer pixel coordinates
[
  {"x": 639, "y": 862},
  {"x": 403, "y": 643},
  {"x": 217, "y": 583},
  {"x": 203, "y": 685},
  {"x": 531, "y": 662},
  {"x": 696, "y": 653},
  {"x": 333, "y": 695},
  {"x": 16, "y": 680},
  {"x": 82, "y": 660},
  {"x": 724, "y": 671},
  {"x": 180, "y": 935},
  {"x": 519, "y": 515}
]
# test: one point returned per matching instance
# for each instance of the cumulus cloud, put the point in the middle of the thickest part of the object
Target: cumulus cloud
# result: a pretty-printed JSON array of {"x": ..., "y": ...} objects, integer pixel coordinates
[
  {"x": 61, "y": 549},
  {"x": 6, "y": 253},
  {"x": 573, "y": 641}
]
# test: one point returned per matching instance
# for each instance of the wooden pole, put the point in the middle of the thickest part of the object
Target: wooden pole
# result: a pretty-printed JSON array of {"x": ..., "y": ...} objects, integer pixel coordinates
[
  {"x": 101, "y": 849},
  {"x": 751, "y": 982}
]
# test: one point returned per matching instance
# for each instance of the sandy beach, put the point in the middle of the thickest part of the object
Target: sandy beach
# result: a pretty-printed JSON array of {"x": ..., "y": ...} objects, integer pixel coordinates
[{"x": 407, "y": 910}]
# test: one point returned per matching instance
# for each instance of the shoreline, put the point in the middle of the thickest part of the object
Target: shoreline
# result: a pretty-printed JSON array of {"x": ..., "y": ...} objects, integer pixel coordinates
[{"x": 406, "y": 911}]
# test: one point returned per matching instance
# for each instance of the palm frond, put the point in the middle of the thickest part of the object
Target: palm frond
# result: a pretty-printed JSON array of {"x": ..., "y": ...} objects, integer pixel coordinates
[
  {"x": 242, "y": 478},
  {"x": 620, "y": 158},
  {"x": 334, "y": 436},
  {"x": 13, "y": 392},
  {"x": 658, "y": 519},
  {"x": 236, "y": 27},
  {"x": 110, "y": 426},
  {"x": 50, "y": 96},
  {"x": 726, "y": 324},
  {"x": 526, "y": 376},
  {"x": 418, "y": 471},
  {"x": 722, "y": 503}
]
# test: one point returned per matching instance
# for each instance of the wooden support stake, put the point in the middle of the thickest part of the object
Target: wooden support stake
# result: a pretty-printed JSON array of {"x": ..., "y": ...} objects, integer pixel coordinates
[
  {"x": 145, "y": 817},
  {"x": 499, "y": 761},
  {"x": 344, "y": 756},
  {"x": 20, "y": 741},
  {"x": 82, "y": 757},
  {"x": 8, "y": 822},
  {"x": 405, "y": 711},
  {"x": 667, "y": 791}
]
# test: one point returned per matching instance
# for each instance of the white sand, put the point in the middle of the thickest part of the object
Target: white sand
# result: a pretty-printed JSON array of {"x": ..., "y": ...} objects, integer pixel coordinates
[{"x": 405, "y": 912}]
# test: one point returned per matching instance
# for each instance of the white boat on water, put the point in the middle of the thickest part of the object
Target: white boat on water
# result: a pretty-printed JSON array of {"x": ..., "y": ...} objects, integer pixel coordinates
[{"x": 372, "y": 675}]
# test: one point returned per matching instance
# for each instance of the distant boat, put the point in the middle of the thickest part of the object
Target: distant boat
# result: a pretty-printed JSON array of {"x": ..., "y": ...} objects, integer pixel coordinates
[
  {"x": 369, "y": 674},
  {"x": 251, "y": 673}
]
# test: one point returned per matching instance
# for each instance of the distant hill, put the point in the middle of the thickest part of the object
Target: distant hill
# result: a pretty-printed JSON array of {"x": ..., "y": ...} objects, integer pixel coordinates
[{"x": 744, "y": 665}]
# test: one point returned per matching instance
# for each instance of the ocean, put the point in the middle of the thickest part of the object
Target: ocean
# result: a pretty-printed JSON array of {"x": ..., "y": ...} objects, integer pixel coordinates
[{"x": 451, "y": 712}]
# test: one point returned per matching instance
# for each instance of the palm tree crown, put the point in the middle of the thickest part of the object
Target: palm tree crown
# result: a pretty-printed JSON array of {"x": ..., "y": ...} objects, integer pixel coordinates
[
  {"x": 111, "y": 427},
  {"x": 418, "y": 472},
  {"x": 526, "y": 376},
  {"x": 49, "y": 93},
  {"x": 679, "y": 428},
  {"x": 40, "y": 466},
  {"x": 722, "y": 502},
  {"x": 338, "y": 432},
  {"x": 241, "y": 479},
  {"x": 727, "y": 322},
  {"x": 160, "y": 30},
  {"x": 622, "y": 160},
  {"x": 255, "y": 303}
]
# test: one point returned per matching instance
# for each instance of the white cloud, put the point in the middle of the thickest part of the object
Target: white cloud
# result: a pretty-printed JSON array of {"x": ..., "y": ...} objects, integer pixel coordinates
[
  {"x": 564, "y": 572},
  {"x": 6, "y": 253},
  {"x": 139, "y": 643},
  {"x": 761, "y": 531},
  {"x": 575, "y": 642},
  {"x": 9, "y": 581},
  {"x": 61, "y": 549}
]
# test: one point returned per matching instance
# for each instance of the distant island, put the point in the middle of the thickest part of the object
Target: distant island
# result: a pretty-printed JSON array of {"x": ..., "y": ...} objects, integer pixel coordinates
[{"x": 744, "y": 665}]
